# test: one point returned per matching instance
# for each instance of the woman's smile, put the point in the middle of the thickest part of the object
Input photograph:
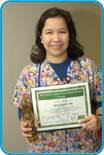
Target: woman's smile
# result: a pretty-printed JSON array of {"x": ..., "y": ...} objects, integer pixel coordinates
[{"x": 56, "y": 46}]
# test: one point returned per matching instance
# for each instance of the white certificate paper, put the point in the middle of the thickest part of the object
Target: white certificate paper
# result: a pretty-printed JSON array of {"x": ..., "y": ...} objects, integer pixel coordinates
[{"x": 61, "y": 106}]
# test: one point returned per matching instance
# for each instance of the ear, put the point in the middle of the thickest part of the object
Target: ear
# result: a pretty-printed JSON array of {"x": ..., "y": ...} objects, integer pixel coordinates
[{"x": 41, "y": 38}]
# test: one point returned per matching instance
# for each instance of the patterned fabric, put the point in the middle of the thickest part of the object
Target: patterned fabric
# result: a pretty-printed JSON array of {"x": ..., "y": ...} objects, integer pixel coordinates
[{"x": 67, "y": 140}]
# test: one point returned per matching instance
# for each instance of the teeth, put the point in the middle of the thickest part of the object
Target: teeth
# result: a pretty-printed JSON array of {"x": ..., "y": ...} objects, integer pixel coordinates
[{"x": 55, "y": 45}]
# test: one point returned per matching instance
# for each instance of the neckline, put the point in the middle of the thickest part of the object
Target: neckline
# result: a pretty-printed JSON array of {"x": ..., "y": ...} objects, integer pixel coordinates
[
  {"x": 53, "y": 71},
  {"x": 63, "y": 62}
]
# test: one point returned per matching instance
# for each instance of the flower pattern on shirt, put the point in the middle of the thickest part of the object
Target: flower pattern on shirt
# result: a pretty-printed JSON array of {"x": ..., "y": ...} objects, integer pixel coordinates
[{"x": 65, "y": 140}]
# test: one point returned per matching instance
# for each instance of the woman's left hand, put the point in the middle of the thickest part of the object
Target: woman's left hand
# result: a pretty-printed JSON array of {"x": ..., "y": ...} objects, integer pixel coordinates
[{"x": 90, "y": 123}]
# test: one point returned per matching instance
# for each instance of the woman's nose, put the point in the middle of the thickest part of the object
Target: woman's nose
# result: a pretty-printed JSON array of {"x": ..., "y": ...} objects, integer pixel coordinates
[{"x": 56, "y": 37}]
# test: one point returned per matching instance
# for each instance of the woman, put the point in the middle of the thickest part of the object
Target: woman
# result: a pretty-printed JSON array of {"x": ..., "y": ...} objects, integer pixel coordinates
[{"x": 58, "y": 59}]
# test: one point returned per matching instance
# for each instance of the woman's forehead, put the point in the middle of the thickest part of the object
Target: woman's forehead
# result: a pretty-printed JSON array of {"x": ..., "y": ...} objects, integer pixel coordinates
[{"x": 54, "y": 22}]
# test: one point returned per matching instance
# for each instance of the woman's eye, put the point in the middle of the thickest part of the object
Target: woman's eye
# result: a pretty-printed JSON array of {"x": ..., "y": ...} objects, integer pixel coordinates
[
  {"x": 49, "y": 32},
  {"x": 62, "y": 32}
]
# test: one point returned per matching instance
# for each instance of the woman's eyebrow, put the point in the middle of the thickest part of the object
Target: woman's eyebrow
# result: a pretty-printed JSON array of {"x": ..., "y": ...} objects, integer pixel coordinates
[{"x": 50, "y": 29}]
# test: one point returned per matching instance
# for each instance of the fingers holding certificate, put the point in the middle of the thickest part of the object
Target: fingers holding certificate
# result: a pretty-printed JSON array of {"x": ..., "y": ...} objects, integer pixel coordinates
[{"x": 61, "y": 106}]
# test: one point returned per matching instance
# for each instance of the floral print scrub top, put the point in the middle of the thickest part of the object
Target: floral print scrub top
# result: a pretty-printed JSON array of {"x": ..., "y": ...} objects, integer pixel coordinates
[{"x": 67, "y": 140}]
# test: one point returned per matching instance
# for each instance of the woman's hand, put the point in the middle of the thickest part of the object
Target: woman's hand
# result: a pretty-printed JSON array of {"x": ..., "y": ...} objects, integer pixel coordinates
[
  {"x": 91, "y": 123},
  {"x": 27, "y": 131}
]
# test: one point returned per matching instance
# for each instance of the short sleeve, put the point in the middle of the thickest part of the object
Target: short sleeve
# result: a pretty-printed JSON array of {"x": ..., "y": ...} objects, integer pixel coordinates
[
  {"x": 93, "y": 75},
  {"x": 24, "y": 84},
  {"x": 97, "y": 85}
]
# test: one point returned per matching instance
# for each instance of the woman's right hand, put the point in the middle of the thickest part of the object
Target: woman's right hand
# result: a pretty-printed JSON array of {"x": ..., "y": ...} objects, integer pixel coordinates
[{"x": 26, "y": 131}]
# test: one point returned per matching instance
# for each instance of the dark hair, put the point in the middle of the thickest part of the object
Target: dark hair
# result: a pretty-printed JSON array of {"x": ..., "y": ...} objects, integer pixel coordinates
[{"x": 38, "y": 52}]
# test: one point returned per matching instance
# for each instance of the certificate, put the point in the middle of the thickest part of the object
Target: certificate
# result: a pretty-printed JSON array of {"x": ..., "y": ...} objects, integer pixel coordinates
[{"x": 61, "y": 106}]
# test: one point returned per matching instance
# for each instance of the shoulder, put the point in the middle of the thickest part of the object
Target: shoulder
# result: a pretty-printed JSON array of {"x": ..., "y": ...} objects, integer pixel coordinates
[
  {"x": 29, "y": 67},
  {"x": 89, "y": 65},
  {"x": 28, "y": 70},
  {"x": 86, "y": 62}
]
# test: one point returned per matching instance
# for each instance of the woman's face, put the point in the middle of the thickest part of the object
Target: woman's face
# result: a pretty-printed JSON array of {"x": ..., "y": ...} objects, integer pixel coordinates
[{"x": 55, "y": 37}]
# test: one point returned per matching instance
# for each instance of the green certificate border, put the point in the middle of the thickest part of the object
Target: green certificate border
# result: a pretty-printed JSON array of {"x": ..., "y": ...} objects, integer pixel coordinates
[{"x": 58, "y": 92}]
